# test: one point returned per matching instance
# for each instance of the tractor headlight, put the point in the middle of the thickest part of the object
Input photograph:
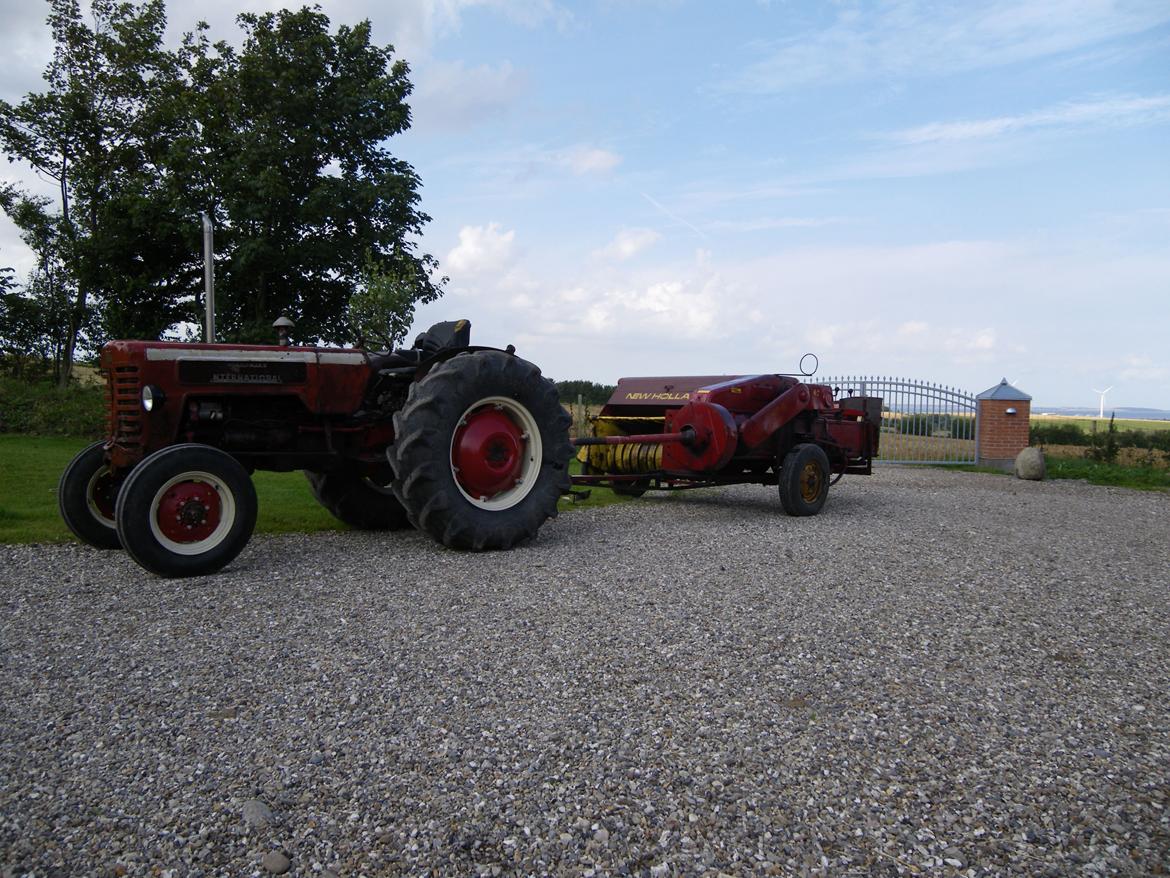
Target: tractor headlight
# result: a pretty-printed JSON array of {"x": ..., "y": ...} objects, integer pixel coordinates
[{"x": 152, "y": 397}]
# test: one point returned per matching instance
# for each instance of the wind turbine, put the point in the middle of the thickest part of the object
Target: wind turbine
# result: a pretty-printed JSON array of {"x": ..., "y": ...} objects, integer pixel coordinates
[{"x": 1101, "y": 411}]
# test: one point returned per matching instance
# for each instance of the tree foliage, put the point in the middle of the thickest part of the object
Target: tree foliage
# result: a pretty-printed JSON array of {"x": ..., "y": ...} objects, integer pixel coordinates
[
  {"x": 381, "y": 312},
  {"x": 282, "y": 141},
  {"x": 591, "y": 392},
  {"x": 96, "y": 132},
  {"x": 298, "y": 174}
]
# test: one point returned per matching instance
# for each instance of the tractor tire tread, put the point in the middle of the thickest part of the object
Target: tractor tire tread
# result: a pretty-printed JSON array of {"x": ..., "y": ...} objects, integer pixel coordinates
[
  {"x": 354, "y": 500},
  {"x": 73, "y": 500},
  {"x": 421, "y": 452}
]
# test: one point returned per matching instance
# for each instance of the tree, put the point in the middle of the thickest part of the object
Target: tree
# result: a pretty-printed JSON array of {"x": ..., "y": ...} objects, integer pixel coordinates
[
  {"x": 381, "y": 312},
  {"x": 38, "y": 323},
  {"x": 283, "y": 142},
  {"x": 34, "y": 325},
  {"x": 310, "y": 206},
  {"x": 98, "y": 132},
  {"x": 591, "y": 392}
]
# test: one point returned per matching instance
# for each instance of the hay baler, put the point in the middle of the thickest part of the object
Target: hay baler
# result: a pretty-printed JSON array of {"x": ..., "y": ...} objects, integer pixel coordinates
[{"x": 690, "y": 432}]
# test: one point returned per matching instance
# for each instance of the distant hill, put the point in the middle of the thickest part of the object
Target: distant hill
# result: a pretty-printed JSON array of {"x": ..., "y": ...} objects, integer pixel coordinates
[{"x": 1122, "y": 412}]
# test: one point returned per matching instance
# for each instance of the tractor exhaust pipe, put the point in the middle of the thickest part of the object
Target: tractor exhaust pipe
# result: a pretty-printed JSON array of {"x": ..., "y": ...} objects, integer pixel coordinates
[{"x": 208, "y": 280}]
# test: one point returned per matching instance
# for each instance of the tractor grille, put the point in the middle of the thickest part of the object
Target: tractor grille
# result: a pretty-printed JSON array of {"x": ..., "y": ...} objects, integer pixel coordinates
[{"x": 125, "y": 389}]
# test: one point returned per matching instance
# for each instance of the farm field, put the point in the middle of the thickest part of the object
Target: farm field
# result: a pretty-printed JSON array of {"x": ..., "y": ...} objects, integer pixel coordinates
[{"x": 1086, "y": 423}]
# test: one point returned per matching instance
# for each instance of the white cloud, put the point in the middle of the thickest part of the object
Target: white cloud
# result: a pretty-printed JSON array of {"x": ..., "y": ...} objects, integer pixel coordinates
[
  {"x": 452, "y": 96},
  {"x": 628, "y": 243},
  {"x": 677, "y": 309},
  {"x": 583, "y": 159},
  {"x": 961, "y": 313},
  {"x": 412, "y": 27},
  {"x": 482, "y": 250},
  {"x": 1144, "y": 369},
  {"x": 1110, "y": 111},
  {"x": 918, "y": 38},
  {"x": 950, "y": 344}
]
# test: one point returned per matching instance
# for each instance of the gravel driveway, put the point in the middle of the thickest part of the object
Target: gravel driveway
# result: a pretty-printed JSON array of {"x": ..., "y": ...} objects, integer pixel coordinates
[{"x": 943, "y": 673}]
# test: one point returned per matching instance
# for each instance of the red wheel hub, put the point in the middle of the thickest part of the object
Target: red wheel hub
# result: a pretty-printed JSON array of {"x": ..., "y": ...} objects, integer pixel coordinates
[
  {"x": 487, "y": 452},
  {"x": 188, "y": 512},
  {"x": 105, "y": 495}
]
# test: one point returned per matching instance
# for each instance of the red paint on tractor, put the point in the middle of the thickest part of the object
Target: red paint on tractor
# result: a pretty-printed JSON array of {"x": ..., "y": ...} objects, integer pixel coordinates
[
  {"x": 188, "y": 512},
  {"x": 487, "y": 453},
  {"x": 215, "y": 389}
]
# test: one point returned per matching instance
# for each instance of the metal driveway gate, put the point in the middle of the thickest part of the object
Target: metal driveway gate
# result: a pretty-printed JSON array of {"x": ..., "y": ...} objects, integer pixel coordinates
[{"x": 921, "y": 422}]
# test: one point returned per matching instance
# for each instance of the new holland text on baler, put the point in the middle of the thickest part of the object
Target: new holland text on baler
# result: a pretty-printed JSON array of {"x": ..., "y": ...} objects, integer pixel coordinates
[{"x": 678, "y": 433}]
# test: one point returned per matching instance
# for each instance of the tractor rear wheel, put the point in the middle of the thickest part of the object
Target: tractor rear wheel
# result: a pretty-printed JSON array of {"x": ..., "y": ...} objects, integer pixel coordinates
[
  {"x": 87, "y": 495},
  {"x": 481, "y": 451},
  {"x": 804, "y": 480},
  {"x": 186, "y": 510},
  {"x": 365, "y": 502}
]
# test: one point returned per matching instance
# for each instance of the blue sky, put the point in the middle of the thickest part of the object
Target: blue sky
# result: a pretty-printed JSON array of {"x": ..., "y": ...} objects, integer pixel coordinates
[{"x": 954, "y": 192}]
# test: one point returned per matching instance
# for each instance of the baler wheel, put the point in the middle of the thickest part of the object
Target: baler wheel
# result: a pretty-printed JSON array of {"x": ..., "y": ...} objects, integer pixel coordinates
[
  {"x": 481, "y": 451},
  {"x": 804, "y": 480},
  {"x": 86, "y": 496},
  {"x": 361, "y": 501},
  {"x": 186, "y": 510}
]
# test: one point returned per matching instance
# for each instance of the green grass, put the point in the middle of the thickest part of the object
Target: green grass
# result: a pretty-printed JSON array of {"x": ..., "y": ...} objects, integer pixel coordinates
[
  {"x": 597, "y": 496},
  {"x": 31, "y": 465},
  {"x": 1143, "y": 478}
]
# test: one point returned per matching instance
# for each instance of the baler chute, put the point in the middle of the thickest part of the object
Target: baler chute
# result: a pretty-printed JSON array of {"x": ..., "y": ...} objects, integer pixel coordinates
[{"x": 675, "y": 433}]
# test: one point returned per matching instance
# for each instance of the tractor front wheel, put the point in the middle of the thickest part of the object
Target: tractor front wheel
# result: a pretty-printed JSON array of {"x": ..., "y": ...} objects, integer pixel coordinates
[
  {"x": 87, "y": 495},
  {"x": 365, "y": 502},
  {"x": 186, "y": 510},
  {"x": 481, "y": 451},
  {"x": 804, "y": 480}
]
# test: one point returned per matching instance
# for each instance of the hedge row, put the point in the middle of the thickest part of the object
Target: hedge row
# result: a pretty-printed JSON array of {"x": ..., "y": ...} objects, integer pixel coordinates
[
  {"x": 43, "y": 409},
  {"x": 1071, "y": 434}
]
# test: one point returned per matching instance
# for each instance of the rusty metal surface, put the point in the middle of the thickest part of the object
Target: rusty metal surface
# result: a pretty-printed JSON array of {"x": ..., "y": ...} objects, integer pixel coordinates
[{"x": 320, "y": 381}]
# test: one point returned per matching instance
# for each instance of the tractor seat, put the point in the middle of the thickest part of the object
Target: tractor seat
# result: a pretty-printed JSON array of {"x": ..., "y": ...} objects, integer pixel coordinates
[{"x": 441, "y": 337}]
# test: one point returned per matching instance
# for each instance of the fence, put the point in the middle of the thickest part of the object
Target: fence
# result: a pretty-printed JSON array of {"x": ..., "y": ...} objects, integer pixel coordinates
[{"x": 921, "y": 422}]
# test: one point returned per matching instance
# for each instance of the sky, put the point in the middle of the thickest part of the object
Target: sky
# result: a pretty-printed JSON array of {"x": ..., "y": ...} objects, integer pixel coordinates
[{"x": 954, "y": 192}]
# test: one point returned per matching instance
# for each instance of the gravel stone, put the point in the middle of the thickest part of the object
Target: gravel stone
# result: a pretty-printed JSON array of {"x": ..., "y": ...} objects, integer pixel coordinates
[
  {"x": 276, "y": 862},
  {"x": 256, "y": 814},
  {"x": 945, "y": 673}
]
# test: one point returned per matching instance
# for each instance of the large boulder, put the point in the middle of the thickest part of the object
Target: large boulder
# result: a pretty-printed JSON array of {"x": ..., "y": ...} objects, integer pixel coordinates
[{"x": 1030, "y": 465}]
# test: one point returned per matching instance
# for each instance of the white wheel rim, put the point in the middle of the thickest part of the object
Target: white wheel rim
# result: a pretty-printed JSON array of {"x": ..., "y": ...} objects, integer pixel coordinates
[
  {"x": 227, "y": 514},
  {"x": 530, "y": 458}
]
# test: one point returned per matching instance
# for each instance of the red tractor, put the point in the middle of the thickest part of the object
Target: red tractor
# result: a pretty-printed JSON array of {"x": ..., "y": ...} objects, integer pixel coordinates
[{"x": 468, "y": 443}]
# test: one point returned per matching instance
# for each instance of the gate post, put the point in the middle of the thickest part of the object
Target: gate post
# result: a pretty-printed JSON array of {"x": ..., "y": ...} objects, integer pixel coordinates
[{"x": 1002, "y": 419}]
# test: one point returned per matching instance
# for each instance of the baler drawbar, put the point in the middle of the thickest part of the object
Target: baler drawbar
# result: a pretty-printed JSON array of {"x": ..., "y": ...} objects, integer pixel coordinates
[{"x": 754, "y": 429}]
